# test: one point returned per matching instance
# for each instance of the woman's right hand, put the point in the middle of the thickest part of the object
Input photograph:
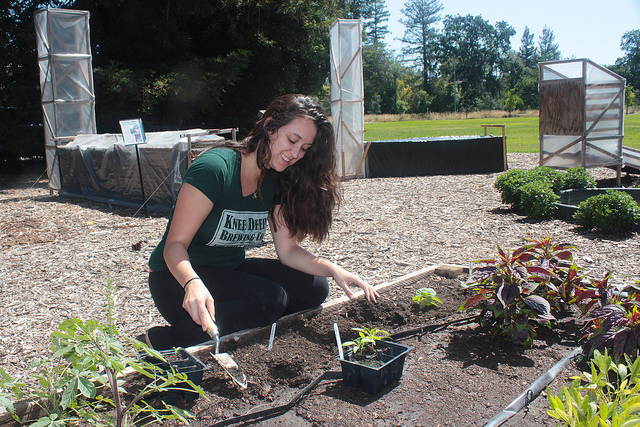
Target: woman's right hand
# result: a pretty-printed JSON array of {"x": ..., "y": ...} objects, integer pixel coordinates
[{"x": 198, "y": 302}]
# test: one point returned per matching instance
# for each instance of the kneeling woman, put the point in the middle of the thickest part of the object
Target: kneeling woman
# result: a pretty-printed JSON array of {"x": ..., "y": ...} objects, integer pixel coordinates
[{"x": 282, "y": 174}]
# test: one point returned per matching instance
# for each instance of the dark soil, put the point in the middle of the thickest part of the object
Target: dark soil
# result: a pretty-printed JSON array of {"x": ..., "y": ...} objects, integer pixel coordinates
[{"x": 456, "y": 375}]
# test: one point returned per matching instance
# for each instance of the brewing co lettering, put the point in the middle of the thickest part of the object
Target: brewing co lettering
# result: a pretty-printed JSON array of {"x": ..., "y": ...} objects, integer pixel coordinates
[{"x": 240, "y": 228}]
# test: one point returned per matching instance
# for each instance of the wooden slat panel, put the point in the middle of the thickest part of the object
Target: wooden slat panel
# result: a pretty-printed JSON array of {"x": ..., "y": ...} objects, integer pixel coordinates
[{"x": 562, "y": 107}]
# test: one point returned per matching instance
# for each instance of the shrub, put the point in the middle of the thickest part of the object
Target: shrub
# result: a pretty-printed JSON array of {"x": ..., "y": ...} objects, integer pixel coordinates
[
  {"x": 544, "y": 174},
  {"x": 509, "y": 183},
  {"x": 614, "y": 211},
  {"x": 537, "y": 200},
  {"x": 574, "y": 178}
]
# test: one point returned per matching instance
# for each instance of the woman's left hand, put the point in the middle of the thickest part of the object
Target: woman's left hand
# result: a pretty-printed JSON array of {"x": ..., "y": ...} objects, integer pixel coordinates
[{"x": 344, "y": 279}]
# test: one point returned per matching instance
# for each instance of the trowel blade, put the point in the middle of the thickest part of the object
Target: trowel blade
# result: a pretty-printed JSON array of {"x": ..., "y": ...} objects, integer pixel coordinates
[{"x": 231, "y": 367}]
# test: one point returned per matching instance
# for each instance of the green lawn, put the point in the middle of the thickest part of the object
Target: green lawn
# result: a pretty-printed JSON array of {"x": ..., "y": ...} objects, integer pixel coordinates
[{"x": 522, "y": 132}]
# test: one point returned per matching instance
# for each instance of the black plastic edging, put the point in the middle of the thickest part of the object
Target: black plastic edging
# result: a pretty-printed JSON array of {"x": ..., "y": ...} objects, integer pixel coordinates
[{"x": 530, "y": 394}]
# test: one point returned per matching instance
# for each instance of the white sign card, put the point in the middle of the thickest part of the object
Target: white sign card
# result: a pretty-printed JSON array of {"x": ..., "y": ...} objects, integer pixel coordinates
[{"x": 133, "y": 132}]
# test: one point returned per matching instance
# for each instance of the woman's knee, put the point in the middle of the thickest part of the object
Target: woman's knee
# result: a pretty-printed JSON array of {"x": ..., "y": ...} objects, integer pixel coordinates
[{"x": 321, "y": 290}]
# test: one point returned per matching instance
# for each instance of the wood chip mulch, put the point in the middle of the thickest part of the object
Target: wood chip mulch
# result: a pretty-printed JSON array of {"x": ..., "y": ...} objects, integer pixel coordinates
[{"x": 56, "y": 254}]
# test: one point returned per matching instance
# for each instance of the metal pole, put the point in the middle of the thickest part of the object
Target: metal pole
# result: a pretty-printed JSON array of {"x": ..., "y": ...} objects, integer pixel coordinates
[{"x": 144, "y": 199}]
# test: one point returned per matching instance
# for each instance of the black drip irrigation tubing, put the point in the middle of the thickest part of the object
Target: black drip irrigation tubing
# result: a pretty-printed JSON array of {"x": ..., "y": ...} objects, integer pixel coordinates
[
  {"x": 421, "y": 330},
  {"x": 530, "y": 394},
  {"x": 279, "y": 410},
  {"x": 331, "y": 375}
]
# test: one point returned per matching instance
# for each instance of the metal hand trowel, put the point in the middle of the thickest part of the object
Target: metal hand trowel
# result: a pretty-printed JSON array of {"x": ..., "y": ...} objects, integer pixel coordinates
[{"x": 223, "y": 359}]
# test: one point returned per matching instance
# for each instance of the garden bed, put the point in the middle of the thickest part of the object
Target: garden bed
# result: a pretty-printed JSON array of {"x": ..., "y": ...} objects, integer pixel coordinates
[
  {"x": 569, "y": 200},
  {"x": 456, "y": 375}
]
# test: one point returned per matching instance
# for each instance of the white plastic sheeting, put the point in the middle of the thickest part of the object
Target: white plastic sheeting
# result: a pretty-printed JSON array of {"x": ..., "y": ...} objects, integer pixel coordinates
[
  {"x": 66, "y": 80},
  {"x": 600, "y": 142},
  {"x": 347, "y": 95}
]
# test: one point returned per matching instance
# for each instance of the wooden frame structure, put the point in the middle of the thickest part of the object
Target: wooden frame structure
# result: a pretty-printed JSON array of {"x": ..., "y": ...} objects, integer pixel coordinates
[
  {"x": 504, "y": 141},
  {"x": 197, "y": 142},
  {"x": 581, "y": 115},
  {"x": 347, "y": 96}
]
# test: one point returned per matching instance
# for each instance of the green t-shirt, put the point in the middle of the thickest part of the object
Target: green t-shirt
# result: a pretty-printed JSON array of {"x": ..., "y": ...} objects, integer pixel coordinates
[{"x": 235, "y": 222}]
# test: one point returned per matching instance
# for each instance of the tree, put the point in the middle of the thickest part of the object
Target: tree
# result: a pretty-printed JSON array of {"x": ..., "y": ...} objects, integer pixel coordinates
[
  {"x": 629, "y": 65},
  {"x": 528, "y": 51},
  {"x": 375, "y": 14},
  {"x": 380, "y": 72},
  {"x": 512, "y": 101},
  {"x": 548, "y": 49},
  {"x": 206, "y": 63},
  {"x": 527, "y": 89},
  {"x": 21, "y": 132},
  {"x": 478, "y": 49},
  {"x": 629, "y": 97},
  {"x": 420, "y": 38}
]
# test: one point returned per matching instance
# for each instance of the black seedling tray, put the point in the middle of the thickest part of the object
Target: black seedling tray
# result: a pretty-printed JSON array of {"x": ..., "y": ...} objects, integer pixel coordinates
[{"x": 182, "y": 362}]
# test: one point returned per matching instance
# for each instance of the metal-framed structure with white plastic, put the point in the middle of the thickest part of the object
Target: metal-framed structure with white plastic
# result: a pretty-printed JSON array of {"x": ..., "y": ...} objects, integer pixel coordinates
[
  {"x": 347, "y": 96},
  {"x": 66, "y": 80},
  {"x": 581, "y": 115}
]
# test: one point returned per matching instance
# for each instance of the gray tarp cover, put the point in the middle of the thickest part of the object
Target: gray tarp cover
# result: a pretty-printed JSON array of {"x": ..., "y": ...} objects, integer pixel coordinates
[{"x": 101, "y": 168}]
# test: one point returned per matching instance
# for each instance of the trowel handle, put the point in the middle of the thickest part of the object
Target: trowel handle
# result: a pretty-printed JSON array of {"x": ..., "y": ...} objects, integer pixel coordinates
[{"x": 212, "y": 328}]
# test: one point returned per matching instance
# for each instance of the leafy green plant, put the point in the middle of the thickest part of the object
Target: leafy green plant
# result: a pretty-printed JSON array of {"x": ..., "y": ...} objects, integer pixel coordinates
[
  {"x": 82, "y": 382},
  {"x": 505, "y": 297},
  {"x": 426, "y": 297},
  {"x": 614, "y": 211},
  {"x": 509, "y": 183},
  {"x": 614, "y": 324},
  {"x": 365, "y": 344},
  {"x": 594, "y": 400},
  {"x": 557, "y": 270},
  {"x": 516, "y": 291},
  {"x": 537, "y": 200},
  {"x": 577, "y": 178},
  {"x": 544, "y": 174},
  {"x": 597, "y": 293},
  {"x": 534, "y": 191}
]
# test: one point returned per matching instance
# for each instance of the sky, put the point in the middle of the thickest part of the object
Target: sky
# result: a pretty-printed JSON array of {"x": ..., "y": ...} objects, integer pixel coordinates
[{"x": 583, "y": 28}]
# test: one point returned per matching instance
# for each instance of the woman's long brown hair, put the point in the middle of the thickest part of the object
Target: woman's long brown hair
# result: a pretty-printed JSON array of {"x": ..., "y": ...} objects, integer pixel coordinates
[{"x": 308, "y": 190}]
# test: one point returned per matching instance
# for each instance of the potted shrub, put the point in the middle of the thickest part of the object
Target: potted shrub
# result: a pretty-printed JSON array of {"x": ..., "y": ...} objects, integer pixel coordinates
[{"x": 372, "y": 361}]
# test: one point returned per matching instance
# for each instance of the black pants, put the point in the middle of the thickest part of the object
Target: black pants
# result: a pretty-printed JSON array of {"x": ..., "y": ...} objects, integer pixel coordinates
[{"x": 257, "y": 293}]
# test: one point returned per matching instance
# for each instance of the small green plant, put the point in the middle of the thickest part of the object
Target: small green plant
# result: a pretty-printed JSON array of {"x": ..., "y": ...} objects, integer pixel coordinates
[
  {"x": 609, "y": 395},
  {"x": 80, "y": 384},
  {"x": 537, "y": 200},
  {"x": 426, "y": 297},
  {"x": 614, "y": 211},
  {"x": 365, "y": 344}
]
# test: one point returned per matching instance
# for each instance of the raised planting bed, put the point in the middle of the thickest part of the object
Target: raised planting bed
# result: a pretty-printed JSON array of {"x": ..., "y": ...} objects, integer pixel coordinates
[
  {"x": 455, "y": 375},
  {"x": 570, "y": 199}
]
